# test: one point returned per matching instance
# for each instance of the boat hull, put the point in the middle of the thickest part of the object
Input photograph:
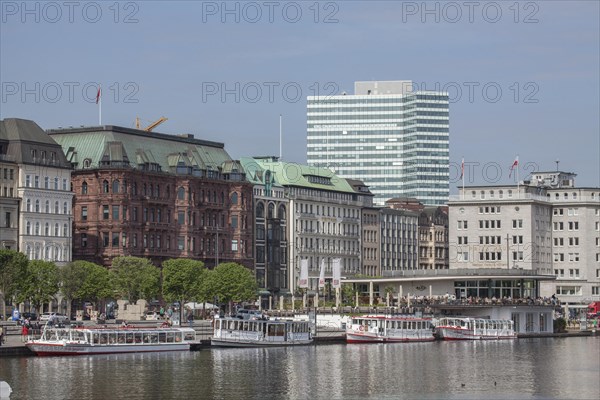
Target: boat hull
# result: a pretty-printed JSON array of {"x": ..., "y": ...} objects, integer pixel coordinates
[
  {"x": 451, "y": 333},
  {"x": 249, "y": 343},
  {"x": 354, "y": 337},
  {"x": 58, "y": 349}
]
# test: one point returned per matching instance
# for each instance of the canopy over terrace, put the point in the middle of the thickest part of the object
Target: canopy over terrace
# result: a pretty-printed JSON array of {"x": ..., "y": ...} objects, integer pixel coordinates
[{"x": 461, "y": 283}]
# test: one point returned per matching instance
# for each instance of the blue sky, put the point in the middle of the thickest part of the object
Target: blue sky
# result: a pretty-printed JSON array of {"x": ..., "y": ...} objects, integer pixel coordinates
[{"x": 174, "y": 59}]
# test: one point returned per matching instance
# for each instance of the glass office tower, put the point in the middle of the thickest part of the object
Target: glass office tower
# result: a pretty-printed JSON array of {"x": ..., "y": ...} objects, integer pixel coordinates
[{"x": 393, "y": 138}]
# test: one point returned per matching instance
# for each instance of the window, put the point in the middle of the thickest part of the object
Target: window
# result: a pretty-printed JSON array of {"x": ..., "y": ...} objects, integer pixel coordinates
[
  {"x": 56, "y": 183},
  {"x": 46, "y": 182},
  {"x": 181, "y": 193},
  {"x": 234, "y": 198},
  {"x": 115, "y": 239},
  {"x": 56, "y": 233},
  {"x": 84, "y": 188},
  {"x": 64, "y": 185},
  {"x": 56, "y": 207},
  {"x": 37, "y": 206},
  {"x": 65, "y": 209},
  {"x": 115, "y": 186},
  {"x": 84, "y": 213},
  {"x": 105, "y": 239},
  {"x": 462, "y": 224},
  {"x": 234, "y": 245},
  {"x": 234, "y": 221},
  {"x": 180, "y": 243},
  {"x": 47, "y": 207},
  {"x": 27, "y": 180},
  {"x": 105, "y": 186},
  {"x": 84, "y": 239},
  {"x": 115, "y": 213},
  {"x": 105, "y": 212},
  {"x": 180, "y": 217}
]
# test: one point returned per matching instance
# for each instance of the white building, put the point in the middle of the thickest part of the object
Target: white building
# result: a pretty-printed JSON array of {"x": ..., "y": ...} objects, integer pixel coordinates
[
  {"x": 392, "y": 138},
  {"x": 324, "y": 218},
  {"x": 399, "y": 240},
  {"x": 546, "y": 225},
  {"x": 43, "y": 180}
]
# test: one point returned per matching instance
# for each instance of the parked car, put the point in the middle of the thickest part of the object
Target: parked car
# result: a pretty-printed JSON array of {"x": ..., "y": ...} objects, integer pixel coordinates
[
  {"x": 56, "y": 318},
  {"x": 31, "y": 315}
]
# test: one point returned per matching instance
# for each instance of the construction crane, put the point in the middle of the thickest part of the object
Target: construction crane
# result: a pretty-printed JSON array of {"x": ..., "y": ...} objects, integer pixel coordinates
[{"x": 151, "y": 126}]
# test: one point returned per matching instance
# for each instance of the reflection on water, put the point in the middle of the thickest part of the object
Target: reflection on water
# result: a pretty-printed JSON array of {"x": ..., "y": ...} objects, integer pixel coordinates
[{"x": 521, "y": 369}]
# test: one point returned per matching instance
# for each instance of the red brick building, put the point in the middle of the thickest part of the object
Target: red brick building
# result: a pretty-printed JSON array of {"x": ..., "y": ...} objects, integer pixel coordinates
[{"x": 157, "y": 196}]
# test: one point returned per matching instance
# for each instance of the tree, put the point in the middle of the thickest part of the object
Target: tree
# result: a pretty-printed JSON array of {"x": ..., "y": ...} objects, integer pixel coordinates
[
  {"x": 135, "y": 278},
  {"x": 232, "y": 282},
  {"x": 181, "y": 278},
  {"x": 71, "y": 277},
  {"x": 41, "y": 283},
  {"x": 97, "y": 284},
  {"x": 13, "y": 269}
]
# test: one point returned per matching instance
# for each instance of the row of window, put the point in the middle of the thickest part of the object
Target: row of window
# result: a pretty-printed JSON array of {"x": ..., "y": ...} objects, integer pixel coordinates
[
  {"x": 571, "y": 225},
  {"x": 573, "y": 273},
  {"x": 9, "y": 173},
  {"x": 47, "y": 183},
  {"x": 47, "y": 209},
  {"x": 572, "y": 257},
  {"x": 34, "y": 229}
]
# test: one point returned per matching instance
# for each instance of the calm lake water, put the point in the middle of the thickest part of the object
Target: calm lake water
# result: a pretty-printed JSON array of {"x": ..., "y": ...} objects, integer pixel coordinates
[{"x": 553, "y": 368}]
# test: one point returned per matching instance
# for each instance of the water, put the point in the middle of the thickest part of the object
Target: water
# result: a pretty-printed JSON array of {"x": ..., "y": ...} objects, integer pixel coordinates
[{"x": 551, "y": 368}]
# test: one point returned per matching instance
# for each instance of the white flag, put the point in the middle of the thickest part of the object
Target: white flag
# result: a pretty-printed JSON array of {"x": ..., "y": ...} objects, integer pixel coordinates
[
  {"x": 337, "y": 274},
  {"x": 322, "y": 273},
  {"x": 303, "y": 282}
]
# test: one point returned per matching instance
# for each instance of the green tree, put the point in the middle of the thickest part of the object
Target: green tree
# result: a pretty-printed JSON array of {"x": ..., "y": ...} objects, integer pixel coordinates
[
  {"x": 13, "y": 269},
  {"x": 348, "y": 293},
  {"x": 41, "y": 283},
  {"x": 232, "y": 282},
  {"x": 71, "y": 277},
  {"x": 181, "y": 278},
  {"x": 97, "y": 284},
  {"x": 135, "y": 278}
]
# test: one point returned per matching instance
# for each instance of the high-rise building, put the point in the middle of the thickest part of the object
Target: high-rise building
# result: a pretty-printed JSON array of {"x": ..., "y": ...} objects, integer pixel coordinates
[{"x": 391, "y": 137}]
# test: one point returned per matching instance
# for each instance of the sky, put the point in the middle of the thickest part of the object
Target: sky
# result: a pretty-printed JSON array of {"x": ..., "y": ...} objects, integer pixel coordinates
[{"x": 523, "y": 77}]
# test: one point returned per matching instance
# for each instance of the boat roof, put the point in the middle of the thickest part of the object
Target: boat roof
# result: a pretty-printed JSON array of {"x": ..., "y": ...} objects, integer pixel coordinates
[{"x": 391, "y": 318}]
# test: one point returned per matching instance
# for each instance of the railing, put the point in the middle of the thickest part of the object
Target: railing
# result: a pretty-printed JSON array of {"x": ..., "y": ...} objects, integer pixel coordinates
[{"x": 523, "y": 196}]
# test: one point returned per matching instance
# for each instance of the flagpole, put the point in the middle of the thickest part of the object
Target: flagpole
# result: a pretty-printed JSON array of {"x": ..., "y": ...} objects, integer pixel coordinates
[
  {"x": 100, "y": 105},
  {"x": 462, "y": 172},
  {"x": 518, "y": 183},
  {"x": 280, "y": 138}
]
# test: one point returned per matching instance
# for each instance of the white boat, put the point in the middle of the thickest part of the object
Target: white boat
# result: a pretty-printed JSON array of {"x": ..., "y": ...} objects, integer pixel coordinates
[
  {"x": 104, "y": 340},
  {"x": 235, "y": 332},
  {"x": 386, "y": 329},
  {"x": 463, "y": 328}
]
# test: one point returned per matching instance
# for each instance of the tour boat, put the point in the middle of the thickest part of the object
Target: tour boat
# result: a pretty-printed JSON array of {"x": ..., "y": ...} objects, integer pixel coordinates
[
  {"x": 386, "y": 329},
  {"x": 235, "y": 332},
  {"x": 463, "y": 328},
  {"x": 104, "y": 340}
]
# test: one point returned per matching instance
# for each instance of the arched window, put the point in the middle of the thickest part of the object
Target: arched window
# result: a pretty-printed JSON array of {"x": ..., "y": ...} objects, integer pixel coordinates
[
  {"x": 37, "y": 228},
  {"x": 28, "y": 228},
  {"x": 234, "y": 198},
  {"x": 84, "y": 188},
  {"x": 181, "y": 193},
  {"x": 281, "y": 213},
  {"x": 87, "y": 163},
  {"x": 37, "y": 206},
  {"x": 29, "y": 205},
  {"x": 65, "y": 208},
  {"x": 65, "y": 230},
  {"x": 47, "y": 208},
  {"x": 56, "y": 233},
  {"x": 46, "y": 230},
  {"x": 115, "y": 186},
  {"x": 271, "y": 211},
  {"x": 105, "y": 186},
  {"x": 56, "y": 207},
  {"x": 29, "y": 252},
  {"x": 260, "y": 210},
  {"x": 574, "y": 195}
]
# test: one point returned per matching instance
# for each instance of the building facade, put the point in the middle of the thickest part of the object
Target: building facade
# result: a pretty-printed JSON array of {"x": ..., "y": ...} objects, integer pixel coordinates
[
  {"x": 394, "y": 139},
  {"x": 433, "y": 238},
  {"x": 9, "y": 202},
  {"x": 371, "y": 239},
  {"x": 41, "y": 182},
  {"x": 324, "y": 218},
  {"x": 158, "y": 196},
  {"x": 399, "y": 239},
  {"x": 271, "y": 208},
  {"x": 546, "y": 225}
]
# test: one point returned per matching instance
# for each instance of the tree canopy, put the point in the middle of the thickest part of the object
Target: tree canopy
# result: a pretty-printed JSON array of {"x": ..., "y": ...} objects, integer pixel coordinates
[
  {"x": 181, "y": 279},
  {"x": 41, "y": 283},
  {"x": 232, "y": 282},
  {"x": 135, "y": 278}
]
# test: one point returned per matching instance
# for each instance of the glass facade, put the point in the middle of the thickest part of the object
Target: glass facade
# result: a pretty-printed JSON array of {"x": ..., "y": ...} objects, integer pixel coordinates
[{"x": 398, "y": 144}]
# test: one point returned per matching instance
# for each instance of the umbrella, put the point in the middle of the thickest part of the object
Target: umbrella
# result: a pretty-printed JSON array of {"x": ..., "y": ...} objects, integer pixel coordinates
[{"x": 200, "y": 306}]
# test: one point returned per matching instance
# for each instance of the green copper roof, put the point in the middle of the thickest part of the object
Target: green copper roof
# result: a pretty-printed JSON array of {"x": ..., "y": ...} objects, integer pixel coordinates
[
  {"x": 293, "y": 174},
  {"x": 138, "y": 147}
]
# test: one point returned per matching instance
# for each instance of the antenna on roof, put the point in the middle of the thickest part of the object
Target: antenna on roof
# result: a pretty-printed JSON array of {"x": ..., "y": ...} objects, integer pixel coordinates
[{"x": 557, "y": 161}]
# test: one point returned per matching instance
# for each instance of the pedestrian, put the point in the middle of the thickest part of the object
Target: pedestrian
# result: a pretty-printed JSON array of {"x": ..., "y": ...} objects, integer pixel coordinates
[
  {"x": 24, "y": 333},
  {"x": 1, "y": 335},
  {"x": 190, "y": 318}
]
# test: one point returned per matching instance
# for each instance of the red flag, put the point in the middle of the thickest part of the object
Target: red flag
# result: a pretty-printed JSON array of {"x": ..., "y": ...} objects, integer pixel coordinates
[
  {"x": 514, "y": 164},
  {"x": 98, "y": 95},
  {"x": 462, "y": 168}
]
